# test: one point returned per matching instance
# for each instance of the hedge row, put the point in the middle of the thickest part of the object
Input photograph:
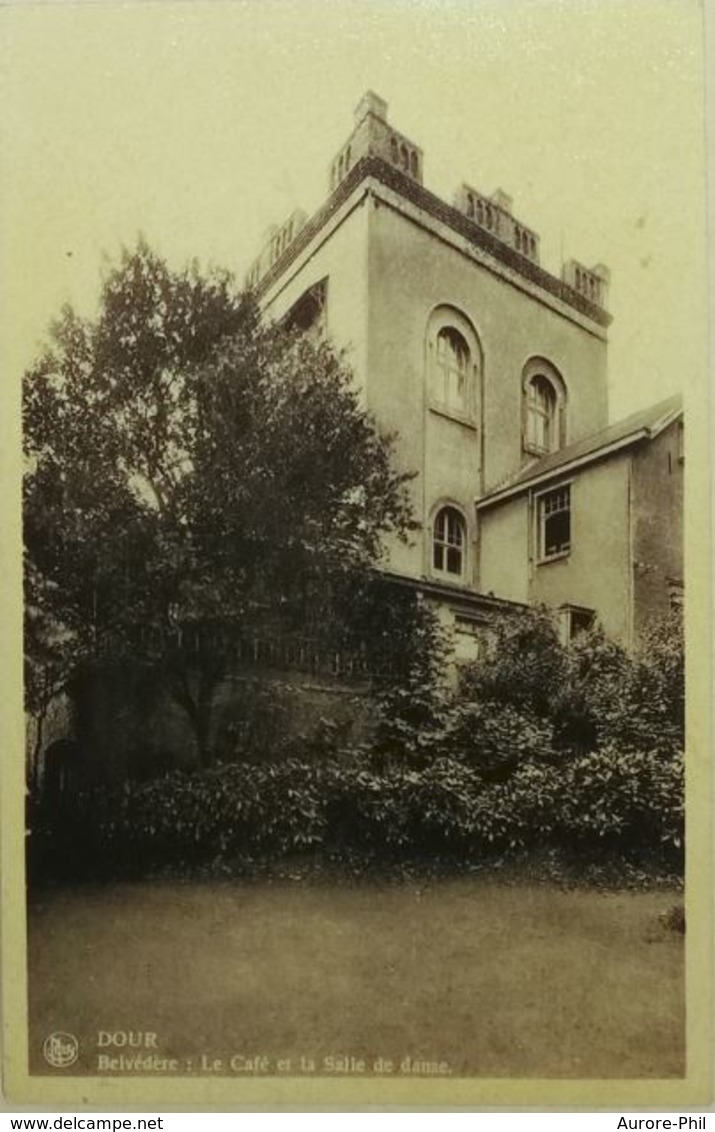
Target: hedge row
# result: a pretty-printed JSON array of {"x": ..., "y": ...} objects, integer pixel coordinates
[{"x": 622, "y": 802}]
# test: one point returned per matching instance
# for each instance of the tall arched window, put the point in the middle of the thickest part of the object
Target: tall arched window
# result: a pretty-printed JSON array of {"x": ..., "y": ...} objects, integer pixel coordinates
[
  {"x": 449, "y": 543},
  {"x": 453, "y": 365},
  {"x": 544, "y": 414},
  {"x": 541, "y": 414}
]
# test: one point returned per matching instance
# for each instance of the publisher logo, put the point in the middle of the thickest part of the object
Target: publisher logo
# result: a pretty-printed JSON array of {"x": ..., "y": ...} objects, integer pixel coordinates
[{"x": 60, "y": 1050}]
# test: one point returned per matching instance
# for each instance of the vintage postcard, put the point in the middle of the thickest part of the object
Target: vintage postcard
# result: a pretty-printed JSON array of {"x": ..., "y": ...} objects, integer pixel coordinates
[{"x": 356, "y": 563}]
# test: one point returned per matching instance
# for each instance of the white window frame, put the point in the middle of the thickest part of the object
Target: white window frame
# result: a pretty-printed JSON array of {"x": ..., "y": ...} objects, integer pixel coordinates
[
  {"x": 443, "y": 380},
  {"x": 542, "y": 413},
  {"x": 540, "y": 517},
  {"x": 445, "y": 544},
  {"x": 452, "y": 371},
  {"x": 566, "y": 619},
  {"x": 540, "y": 372}
]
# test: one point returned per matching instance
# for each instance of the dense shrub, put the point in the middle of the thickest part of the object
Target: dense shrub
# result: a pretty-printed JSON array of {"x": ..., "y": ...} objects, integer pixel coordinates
[
  {"x": 623, "y": 802},
  {"x": 495, "y": 738},
  {"x": 541, "y": 747},
  {"x": 633, "y": 701},
  {"x": 626, "y": 800},
  {"x": 532, "y": 697},
  {"x": 586, "y": 708},
  {"x": 409, "y": 706}
]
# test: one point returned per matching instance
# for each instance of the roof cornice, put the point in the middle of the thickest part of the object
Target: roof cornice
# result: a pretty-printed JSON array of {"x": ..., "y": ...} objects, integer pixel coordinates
[
  {"x": 454, "y": 593},
  {"x": 561, "y": 469},
  {"x": 645, "y": 432},
  {"x": 412, "y": 191}
]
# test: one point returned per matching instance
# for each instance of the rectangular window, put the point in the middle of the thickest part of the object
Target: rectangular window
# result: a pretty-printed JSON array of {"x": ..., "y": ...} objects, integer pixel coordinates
[
  {"x": 469, "y": 625},
  {"x": 468, "y": 641},
  {"x": 573, "y": 620},
  {"x": 580, "y": 621},
  {"x": 554, "y": 521}
]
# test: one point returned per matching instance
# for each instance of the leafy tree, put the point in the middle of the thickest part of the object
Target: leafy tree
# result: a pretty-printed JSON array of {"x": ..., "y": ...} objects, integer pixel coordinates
[
  {"x": 51, "y": 655},
  {"x": 192, "y": 475}
]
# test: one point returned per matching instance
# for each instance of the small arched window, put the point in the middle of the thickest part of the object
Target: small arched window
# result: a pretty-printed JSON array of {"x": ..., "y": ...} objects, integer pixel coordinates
[
  {"x": 449, "y": 543},
  {"x": 544, "y": 409}
]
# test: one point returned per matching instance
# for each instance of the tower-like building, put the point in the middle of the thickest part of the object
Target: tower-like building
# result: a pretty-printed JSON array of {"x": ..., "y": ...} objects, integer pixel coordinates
[{"x": 492, "y": 373}]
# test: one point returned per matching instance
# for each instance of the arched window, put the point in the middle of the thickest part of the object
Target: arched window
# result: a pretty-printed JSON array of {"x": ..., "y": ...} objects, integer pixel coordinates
[
  {"x": 452, "y": 365},
  {"x": 449, "y": 543},
  {"x": 544, "y": 414}
]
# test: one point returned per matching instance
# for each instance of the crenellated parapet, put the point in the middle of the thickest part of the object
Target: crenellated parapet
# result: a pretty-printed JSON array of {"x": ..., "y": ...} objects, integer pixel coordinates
[
  {"x": 493, "y": 213},
  {"x": 591, "y": 282},
  {"x": 277, "y": 240},
  {"x": 374, "y": 137},
  {"x": 378, "y": 152}
]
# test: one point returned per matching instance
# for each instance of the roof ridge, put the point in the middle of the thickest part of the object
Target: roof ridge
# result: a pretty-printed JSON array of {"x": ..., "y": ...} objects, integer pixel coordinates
[{"x": 647, "y": 423}]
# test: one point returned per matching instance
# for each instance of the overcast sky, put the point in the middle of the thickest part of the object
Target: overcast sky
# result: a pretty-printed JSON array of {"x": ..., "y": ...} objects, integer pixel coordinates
[{"x": 199, "y": 124}]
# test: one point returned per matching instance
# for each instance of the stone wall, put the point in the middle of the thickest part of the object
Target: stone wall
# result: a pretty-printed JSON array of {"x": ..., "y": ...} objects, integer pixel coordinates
[{"x": 129, "y": 725}]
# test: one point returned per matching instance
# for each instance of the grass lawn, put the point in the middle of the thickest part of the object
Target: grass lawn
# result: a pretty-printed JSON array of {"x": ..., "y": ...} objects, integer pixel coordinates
[{"x": 494, "y": 980}]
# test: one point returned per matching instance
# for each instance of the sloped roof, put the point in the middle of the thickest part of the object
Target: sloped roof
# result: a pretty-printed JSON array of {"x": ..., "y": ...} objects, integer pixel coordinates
[{"x": 643, "y": 425}]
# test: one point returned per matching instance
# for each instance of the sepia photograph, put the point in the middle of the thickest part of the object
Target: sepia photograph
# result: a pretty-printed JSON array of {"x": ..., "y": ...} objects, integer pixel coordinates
[{"x": 357, "y": 553}]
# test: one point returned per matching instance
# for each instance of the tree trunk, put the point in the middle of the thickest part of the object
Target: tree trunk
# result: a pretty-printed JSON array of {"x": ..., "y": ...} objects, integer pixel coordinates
[
  {"x": 208, "y": 682},
  {"x": 198, "y": 706},
  {"x": 34, "y": 783}
]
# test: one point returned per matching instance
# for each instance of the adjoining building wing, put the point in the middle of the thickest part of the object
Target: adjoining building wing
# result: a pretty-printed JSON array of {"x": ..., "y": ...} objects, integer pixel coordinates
[{"x": 597, "y": 526}]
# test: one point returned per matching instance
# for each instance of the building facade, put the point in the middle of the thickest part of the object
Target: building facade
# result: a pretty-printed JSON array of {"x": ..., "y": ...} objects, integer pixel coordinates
[
  {"x": 492, "y": 374},
  {"x": 595, "y": 528}
]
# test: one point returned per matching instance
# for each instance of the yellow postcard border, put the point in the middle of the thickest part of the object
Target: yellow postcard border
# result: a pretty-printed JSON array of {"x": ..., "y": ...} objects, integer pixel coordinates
[{"x": 272, "y": 1094}]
